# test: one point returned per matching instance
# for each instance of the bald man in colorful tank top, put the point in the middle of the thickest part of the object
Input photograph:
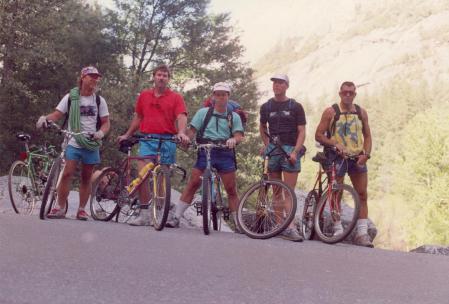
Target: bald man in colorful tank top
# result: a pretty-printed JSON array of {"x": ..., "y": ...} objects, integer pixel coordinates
[{"x": 350, "y": 134}]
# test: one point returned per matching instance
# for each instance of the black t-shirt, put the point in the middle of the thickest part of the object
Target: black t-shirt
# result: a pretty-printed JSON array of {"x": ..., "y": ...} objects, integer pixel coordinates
[{"x": 283, "y": 118}]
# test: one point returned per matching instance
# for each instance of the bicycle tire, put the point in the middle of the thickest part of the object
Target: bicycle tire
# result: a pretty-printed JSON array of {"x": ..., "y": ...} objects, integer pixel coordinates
[
  {"x": 256, "y": 216},
  {"x": 161, "y": 197},
  {"x": 323, "y": 221},
  {"x": 105, "y": 192},
  {"x": 218, "y": 201},
  {"x": 205, "y": 202},
  {"x": 49, "y": 195},
  {"x": 22, "y": 185},
  {"x": 308, "y": 215}
]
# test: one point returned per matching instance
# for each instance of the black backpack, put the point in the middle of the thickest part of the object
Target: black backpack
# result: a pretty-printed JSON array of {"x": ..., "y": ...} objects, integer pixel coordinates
[
  {"x": 210, "y": 112},
  {"x": 358, "y": 111},
  {"x": 97, "y": 100}
]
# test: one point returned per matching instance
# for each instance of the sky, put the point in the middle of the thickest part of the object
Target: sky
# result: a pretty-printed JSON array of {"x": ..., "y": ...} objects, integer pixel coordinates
[{"x": 261, "y": 23}]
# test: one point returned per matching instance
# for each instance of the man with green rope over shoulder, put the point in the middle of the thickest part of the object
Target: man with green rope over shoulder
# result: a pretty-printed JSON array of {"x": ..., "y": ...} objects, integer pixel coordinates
[{"x": 86, "y": 112}]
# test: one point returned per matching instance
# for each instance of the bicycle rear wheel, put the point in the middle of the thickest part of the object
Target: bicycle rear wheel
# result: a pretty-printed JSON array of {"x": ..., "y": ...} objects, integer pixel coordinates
[
  {"x": 161, "y": 197},
  {"x": 49, "y": 195},
  {"x": 105, "y": 194},
  {"x": 307, "y": 214},
  {"x": 206, "y": 207},
  {"x": 20, "y": 187},
  {"x": 266, "y": 209},
  {"x": 339, "y": 203},
  {"x": 216, "y": 213}
]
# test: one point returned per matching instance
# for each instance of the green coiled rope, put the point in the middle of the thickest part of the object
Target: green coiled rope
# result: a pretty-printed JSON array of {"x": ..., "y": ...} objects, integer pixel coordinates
[{"x": 75, "y": 123}]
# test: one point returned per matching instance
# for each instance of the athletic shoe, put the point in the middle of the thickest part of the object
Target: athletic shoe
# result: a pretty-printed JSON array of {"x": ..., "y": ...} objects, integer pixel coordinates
[
  {"x": 56, "y": 213},
  {"x": 172, "y": 222},
  {"x": 82, "y": 215},
  {"x": 363, "y": 240},
  {"x": 291, "y": 234}
]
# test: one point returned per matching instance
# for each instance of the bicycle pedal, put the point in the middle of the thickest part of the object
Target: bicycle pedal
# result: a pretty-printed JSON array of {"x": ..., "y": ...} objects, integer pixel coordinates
[
  {"x": 226, "y": 214},
  {"x": 198, "y": 208}
]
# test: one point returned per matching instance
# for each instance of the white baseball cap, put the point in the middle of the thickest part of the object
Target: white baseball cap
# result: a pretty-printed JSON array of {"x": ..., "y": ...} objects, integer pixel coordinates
[
  {"x": 89, "y": 70},
  {"x": 280, "y": 77},
  {"x": 222, "y": 86}
]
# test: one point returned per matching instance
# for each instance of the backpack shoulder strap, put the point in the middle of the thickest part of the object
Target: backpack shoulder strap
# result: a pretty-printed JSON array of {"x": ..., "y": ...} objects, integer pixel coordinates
[
  {"x": 230, "y": 119},
  {"x": 358, "y": 110},
  {"x": 64, "y": 124},
  {"x": 200, "y": 134},
  {"x": 98, "y": 101},
  {"x": 337, "y": 111},
  {"x": 334, "y": 121}
]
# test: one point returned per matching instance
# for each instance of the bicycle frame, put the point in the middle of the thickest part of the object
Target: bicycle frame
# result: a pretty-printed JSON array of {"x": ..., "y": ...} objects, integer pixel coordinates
[
  {"x": 331, "y": 177},
  {"x": 46, "y": 162},
  {"x": 215, "y": 178}
]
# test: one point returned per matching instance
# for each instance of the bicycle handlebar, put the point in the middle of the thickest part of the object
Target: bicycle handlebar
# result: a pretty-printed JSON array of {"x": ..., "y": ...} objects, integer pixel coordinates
[
  {"x": 209, "y": 146},
  {"x": 67, "y": 132},
  {"x": 150, "y": 137},
  {"x": 276, "y": 141},
  {"x": 343, "y": 154}
]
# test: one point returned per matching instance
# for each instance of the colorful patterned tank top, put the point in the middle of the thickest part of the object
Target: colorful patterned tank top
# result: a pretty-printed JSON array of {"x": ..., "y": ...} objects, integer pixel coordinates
[{"x": 348, "y": 132}]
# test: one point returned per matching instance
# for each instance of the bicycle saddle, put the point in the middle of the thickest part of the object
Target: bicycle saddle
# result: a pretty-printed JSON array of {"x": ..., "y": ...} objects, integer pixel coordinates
[
  {"x": 126, "y": 144},
  {"x": 23, "y": 136},
  {"x": 320, "y": 157}
]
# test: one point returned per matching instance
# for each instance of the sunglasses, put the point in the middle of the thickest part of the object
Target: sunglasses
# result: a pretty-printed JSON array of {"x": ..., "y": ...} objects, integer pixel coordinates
[
  {"x": 219, "y": 94},
  {"x": 94, "y": 76},
  {"x": 347, "y": 93}
]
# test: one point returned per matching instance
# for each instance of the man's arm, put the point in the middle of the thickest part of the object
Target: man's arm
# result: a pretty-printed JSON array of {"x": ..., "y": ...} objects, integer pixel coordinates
[
  {"x": 238, "y": 136},
  {"x": 181, "y": 122},
  {"x": 323, "y": 127},
  {"x": 262, "y": 130},
  {"x": 55, "y": 116},
  {"x": 133, "y": 127},
  {"x": 301, "y": 138},
  {"x": 367, "y": 140},
  {"x": 105, "y": 124}
]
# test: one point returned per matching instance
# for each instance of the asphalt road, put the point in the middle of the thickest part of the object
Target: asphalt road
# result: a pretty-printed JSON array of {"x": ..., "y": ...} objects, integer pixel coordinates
[{"x": 68, "y": 261}]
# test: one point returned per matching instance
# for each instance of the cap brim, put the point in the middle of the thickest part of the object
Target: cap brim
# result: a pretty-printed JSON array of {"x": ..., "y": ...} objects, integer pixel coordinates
[{"x": 274, "y": 78}]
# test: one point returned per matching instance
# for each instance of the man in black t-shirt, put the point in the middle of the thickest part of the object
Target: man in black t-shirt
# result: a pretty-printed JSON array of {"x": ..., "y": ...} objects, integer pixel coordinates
[{"x": 284, "y": 118}]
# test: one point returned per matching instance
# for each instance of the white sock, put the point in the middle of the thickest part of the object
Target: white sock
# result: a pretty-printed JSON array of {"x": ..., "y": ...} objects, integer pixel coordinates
[
  {"x": 338, "y": 227},
  {"x": 362, "y": 226},
  {"x": 180, "y": 208},
  {"x": 234, "y": 216}
]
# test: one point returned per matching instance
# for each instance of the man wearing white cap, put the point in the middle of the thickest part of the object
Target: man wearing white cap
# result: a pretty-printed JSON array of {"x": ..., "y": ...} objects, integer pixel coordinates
[
  {"x": 284, "y": 118},
  {"x": 213, "y": 125},
  {"x": 86, "y": 111}
]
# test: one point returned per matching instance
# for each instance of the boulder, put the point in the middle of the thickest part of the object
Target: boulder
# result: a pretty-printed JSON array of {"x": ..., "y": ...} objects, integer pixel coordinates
[{"x": 431, "y": 249}]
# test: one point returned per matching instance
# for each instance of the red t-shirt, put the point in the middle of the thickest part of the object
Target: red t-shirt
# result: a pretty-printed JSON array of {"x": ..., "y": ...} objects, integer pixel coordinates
[{"x": 159, "y": 113}]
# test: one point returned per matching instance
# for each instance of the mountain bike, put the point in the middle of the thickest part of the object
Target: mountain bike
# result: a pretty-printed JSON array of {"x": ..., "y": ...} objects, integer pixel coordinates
[
  {"x": 268, "y": 206},
  {"x": 49, "y": 196},
  {"x": 114, "y": 192},
  {"x": 329, "y": 201},
  {"x": 28, "y": 175},
  {"x": 212, "y": 206}
]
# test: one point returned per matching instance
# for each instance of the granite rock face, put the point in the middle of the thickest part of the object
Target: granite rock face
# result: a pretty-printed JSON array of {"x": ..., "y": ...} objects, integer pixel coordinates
[{"x": 432, "y": 249}]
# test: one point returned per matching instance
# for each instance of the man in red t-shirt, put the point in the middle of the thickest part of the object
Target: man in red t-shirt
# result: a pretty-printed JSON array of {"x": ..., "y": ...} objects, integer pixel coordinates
[{"x": 162, "y": 113}]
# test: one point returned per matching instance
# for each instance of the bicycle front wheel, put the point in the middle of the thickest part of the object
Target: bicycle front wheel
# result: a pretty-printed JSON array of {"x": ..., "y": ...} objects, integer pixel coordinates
[
  {"x": 266, "y": 209},
  {"x": 105, "y": 194},
  {"x": 20, "y": 187},
  {"x": 206, "y": 207},
  {"x": 49, "y": 195},
  {"x": 307, "y": 214},
  {"x": 340, "y": 203},
  {"x": 161, "y": 197}
]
